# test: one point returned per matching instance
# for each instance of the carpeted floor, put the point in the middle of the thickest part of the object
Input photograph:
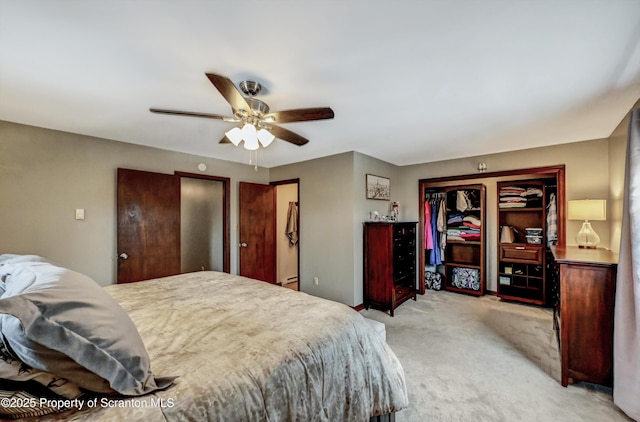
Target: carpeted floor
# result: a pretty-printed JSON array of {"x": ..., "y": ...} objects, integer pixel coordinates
[{"x": 481, "y": 359}]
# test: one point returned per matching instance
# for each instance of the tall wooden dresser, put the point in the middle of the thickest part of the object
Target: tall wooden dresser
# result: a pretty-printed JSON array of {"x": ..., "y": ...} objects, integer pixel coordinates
[
  {"x": 389, "y": 264},
  {"x": 583, "y": 313}
]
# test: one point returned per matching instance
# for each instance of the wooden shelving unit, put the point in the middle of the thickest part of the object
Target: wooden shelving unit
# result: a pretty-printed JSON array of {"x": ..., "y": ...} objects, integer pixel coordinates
[
  {"x": 463, "y": 261},
  {"x": 521, "y": 263}
]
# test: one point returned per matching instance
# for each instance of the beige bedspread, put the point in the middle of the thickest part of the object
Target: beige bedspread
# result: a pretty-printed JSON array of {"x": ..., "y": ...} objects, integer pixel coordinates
[{"x": 245, "y": 350}]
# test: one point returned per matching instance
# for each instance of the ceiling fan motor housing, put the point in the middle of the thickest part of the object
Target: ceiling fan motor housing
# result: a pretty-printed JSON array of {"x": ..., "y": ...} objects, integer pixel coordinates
[{"x": 250, "y": 88}]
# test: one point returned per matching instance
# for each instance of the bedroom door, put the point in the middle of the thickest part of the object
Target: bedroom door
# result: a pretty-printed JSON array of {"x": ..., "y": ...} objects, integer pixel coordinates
[
  {"x": 148, "y": 215},
  {"x": 257, "y": 248}
]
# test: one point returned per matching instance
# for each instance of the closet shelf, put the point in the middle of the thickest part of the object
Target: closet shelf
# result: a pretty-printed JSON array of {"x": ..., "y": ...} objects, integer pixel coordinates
[
  {"x": 464, "y": 242},
  {"x": 464, "y": 265},
  {"x": 537, "y": 209}
]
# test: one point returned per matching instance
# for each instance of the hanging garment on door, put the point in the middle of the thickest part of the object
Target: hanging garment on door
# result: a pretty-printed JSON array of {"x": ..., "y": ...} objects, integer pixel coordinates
[{"x": 292, "y": 223}]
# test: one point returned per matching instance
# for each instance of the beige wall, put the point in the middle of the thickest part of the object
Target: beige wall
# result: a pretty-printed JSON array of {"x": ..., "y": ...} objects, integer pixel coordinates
[
  {"x": 326, "y": 224},
  {"x": 364, "y": 165},
  {"x": 333, "y": 206},
  {"x": 46, "y": 174}
]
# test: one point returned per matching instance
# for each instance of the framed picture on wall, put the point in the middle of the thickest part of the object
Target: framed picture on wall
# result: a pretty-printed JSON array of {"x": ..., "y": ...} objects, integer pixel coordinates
[{"x": 378, "y": 187}]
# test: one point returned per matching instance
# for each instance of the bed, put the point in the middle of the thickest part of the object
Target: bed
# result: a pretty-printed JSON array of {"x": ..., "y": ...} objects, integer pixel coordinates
[{"x": 220, "y": 347}]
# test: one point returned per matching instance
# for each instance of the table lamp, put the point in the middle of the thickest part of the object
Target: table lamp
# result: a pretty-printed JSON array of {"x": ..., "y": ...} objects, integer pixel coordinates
[{"x": 587, "y": 210}]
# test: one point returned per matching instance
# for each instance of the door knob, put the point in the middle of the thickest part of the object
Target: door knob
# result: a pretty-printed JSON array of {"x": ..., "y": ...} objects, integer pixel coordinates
[
  {"x": 123, "y": 256},
  {"x": 243, "y": 245}
]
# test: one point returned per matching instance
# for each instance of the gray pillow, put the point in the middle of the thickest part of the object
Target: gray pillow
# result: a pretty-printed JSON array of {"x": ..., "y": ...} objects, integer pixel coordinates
[{"x": 62, "y": 322}]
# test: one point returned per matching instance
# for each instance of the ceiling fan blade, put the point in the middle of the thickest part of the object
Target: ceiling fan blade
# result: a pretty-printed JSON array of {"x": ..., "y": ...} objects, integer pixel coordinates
[
  {"x": 300, "y": 115},
  {"x": 193, "y": 114},
  {"x": 225, "y": 140},
  {"x": 229, "y": 91},
  {"x": 287, "y": 135}
]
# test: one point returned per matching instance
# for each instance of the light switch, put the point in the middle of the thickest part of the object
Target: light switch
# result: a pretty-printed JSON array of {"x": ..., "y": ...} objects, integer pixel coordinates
[{"x": 79, "y": 213}]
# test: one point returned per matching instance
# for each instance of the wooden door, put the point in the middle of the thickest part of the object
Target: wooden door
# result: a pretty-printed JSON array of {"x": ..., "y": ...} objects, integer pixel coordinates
[
  {"x": 148, "y": 207},
  {"x": 257, "y": 231}
]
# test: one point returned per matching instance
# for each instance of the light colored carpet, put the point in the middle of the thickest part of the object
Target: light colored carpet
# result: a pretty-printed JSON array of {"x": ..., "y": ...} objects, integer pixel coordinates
[{"x": 480, "y": 359}]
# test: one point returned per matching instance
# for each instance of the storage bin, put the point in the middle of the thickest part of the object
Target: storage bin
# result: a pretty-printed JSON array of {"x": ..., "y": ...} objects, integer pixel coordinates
[
  {"x": 466, "y": 278},
  {"x": 534, "y": 239},
  {"x": 534, "y": 231}
]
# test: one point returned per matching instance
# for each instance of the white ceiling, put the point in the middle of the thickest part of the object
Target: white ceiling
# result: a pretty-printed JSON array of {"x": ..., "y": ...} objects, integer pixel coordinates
[{"x": 409, "y": 81}]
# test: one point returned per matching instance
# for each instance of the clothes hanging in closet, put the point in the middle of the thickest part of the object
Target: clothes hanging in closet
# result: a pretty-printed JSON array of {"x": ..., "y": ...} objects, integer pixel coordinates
[
  {"x": 428, "y": 230},
  {"x": 434, "y": 227},
  {"x": 434, "y": 254},
  {"x": 442, "y": 226}
]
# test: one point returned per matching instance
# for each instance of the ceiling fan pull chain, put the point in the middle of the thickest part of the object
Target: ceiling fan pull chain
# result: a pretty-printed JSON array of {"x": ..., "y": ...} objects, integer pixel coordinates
[{"x": 253, "y": 159}]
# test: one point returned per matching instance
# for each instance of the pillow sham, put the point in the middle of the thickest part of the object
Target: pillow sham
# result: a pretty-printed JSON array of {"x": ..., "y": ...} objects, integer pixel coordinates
[{"x": 62, "y": 322}]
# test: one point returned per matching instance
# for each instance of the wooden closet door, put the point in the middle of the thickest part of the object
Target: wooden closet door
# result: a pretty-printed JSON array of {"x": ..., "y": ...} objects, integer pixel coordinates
[
  {"x": 148, "y": 213},
  {"x": 257, "y": 250}
]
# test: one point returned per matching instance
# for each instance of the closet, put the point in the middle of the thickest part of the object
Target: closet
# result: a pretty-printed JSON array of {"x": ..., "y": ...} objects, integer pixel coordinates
[
  {"x": 454, "y": 238},
  {"x": 484, "y": 254}
]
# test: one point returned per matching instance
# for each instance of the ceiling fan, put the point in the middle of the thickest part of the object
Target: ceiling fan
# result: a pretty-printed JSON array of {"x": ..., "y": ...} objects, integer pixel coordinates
[{"x": 254, "y": 115}]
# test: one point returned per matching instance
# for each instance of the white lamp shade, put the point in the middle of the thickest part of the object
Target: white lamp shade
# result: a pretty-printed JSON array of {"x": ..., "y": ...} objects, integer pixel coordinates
[
  {"x": 588, "y": 210},
  {"x": 250, "y": 137},
  {"x": 265, "y": 137},
  {"x": 234, "y": 135}
]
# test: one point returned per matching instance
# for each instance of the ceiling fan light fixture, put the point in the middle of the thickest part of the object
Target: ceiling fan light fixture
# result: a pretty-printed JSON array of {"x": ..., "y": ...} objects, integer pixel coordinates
[
  {"x": 265, "y": 137},
  {"x": 250, "y": 137},
  {"x": 234, "y": 135}
]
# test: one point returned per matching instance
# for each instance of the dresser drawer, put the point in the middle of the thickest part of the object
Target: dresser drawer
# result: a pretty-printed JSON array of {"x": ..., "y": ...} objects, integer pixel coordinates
[
  {"x": 402, "y": 255},
  {"x": 404, "y": 231},
  {"x": 407, "y": 269},
  {"x": 521, "y": 253}
]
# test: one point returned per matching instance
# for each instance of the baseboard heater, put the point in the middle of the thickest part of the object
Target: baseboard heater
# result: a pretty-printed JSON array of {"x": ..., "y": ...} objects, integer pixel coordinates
[{"x": 289, "y": 280}]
